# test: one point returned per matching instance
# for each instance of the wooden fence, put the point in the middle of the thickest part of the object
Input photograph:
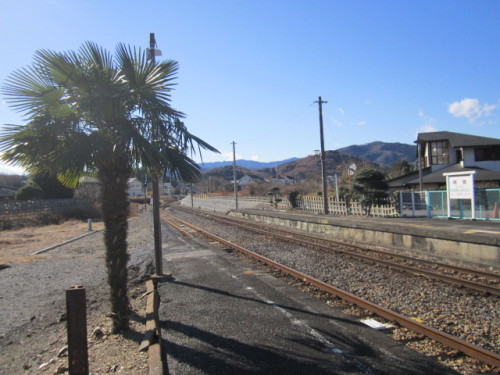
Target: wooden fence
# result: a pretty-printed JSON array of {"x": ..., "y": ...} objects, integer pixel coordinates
[{"x": 20, "y": 208}]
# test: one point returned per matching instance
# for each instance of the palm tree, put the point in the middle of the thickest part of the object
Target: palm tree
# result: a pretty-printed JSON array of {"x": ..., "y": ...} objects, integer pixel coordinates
[{"x": 88, "y": 111}]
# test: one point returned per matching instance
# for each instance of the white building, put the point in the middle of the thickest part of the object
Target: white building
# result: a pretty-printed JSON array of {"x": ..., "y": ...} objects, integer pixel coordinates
[
  {"x": 445, "y": 152},
  {"x": 135, "y": 188}
]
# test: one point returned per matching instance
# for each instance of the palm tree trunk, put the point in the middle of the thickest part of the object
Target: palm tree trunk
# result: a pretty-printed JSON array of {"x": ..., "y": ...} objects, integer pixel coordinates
[{"x": 114, "y": 176}]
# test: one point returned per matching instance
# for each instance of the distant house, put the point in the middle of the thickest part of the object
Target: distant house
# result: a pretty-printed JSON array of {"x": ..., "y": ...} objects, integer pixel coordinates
[
  {"x": 246, "y": 179},
  {"x": 285, "y": 180},
  {"x": 445, "y": 152},
  {"x": 135, "y": 188},
  {"x": 88, "y": 188},
  {"x": 7, "y": 192},
  {"x": 166, "y": 188}
]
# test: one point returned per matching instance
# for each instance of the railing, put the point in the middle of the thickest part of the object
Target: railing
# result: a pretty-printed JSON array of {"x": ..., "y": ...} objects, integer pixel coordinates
[{"x": 435, "y": 204}]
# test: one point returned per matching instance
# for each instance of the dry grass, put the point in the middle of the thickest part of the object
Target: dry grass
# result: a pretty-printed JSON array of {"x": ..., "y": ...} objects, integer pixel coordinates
[{"x": 17, "y": 245}]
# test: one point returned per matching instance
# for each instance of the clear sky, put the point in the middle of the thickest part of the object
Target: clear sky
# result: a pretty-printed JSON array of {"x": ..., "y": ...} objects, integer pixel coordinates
[{"x": 251, "y": 70}]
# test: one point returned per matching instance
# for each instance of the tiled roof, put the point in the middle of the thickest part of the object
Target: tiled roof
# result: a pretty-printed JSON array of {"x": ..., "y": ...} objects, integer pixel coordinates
[
  {"x": 438, "y": 178},
  {"x": 458, "y": 139}
]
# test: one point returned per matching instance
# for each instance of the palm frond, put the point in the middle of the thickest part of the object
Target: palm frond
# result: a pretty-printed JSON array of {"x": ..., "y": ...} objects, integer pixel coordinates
[{"x": 181, "y": 166}]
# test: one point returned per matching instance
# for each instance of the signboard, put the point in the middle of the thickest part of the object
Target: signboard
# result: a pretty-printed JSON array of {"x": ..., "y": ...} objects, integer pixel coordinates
[{"x": 461, "y": 187}]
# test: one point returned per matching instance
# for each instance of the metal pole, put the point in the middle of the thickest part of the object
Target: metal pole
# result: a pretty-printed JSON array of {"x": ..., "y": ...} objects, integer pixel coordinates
[
  {"x": 234, "y": 176},
  {"x": 76, "y": 314},
  {"x": 192, "y": 199},
  {"x": 420, "y": 178},
  {"x": 156, "y": 189},
  {"x": 336, "y": 187},
  {"x": 323, "y": 168}
]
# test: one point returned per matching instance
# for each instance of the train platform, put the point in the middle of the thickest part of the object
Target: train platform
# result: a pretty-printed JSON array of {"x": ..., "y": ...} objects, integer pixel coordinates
[
  {"x": 467, "y": 243},
  {"x": 223, "y": 315},
  {"x": 477, "y": 231}
]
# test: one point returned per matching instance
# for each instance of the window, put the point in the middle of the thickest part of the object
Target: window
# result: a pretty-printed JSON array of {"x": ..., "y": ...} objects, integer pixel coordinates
[
  {"x": 439, "y": 152},
  {"x": 487, "y": 153}
]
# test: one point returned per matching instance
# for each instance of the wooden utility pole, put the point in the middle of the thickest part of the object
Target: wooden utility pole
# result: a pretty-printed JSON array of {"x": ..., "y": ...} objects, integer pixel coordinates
[
  {"x": 322, "y": 156},
  {"x": 156, "y": 189},
  {"x": 234, "y": 176}
]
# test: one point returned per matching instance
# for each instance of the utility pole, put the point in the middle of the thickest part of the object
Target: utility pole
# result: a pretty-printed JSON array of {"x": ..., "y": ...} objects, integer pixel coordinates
[
  {"x": 156, "y": 189},
  {"x": 336, "y": 187},
  {"x": 234, "y": 176},
  {"x": 322, "y": 156}
]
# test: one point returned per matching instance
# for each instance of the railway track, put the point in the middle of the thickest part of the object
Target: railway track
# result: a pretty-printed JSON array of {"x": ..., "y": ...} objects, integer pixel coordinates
[
  {"x": 482, "y": 281},
  {"x": 444, "y": 338}
]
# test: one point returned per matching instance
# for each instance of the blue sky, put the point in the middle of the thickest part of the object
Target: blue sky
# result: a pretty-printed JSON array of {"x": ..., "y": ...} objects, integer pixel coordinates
[{"x": 251, "y": 70}]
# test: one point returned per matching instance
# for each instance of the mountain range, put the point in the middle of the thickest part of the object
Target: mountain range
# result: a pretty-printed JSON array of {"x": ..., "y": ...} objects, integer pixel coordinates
[
  {"x": 381, "y": 153},
  {"x": 248, "y": 164},
  {"x": 372, "y": 155}
]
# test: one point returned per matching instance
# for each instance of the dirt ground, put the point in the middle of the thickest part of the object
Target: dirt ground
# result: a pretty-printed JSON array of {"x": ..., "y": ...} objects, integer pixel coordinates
[
  {"x": 32, "y": 298},
  {"x": 17, "y": 245}
]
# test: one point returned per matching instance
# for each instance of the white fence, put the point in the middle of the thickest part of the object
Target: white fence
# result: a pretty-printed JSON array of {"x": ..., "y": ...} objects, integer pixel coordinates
[{"x": 305, "y": 203}]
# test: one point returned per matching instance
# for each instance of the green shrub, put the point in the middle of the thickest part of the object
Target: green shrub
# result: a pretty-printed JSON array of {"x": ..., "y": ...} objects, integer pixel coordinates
[
  {"x": 29, "y": 192},
  {"x": 292, "y": 198}
]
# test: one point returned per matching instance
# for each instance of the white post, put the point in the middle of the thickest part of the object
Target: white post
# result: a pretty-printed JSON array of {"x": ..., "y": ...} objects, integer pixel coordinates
[
  {"x": 473, "y": 202},
  {"x": 448, "y": 200},
  {"x": 413, "y": 203}
]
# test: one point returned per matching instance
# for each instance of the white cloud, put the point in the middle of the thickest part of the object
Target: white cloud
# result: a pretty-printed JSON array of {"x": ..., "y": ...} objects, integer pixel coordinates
[
  {"x": 429, "y": 124},
  {"x": 255, "y": 158},
  {"x": 9, "y": 169},
  {"x": 426, "y": 129},
  {"x": 362, "y": 123},
  {"x": 227, "y": 156},
  {"x": 333, "y": 120},
  {"x": 470, "y": 109}
]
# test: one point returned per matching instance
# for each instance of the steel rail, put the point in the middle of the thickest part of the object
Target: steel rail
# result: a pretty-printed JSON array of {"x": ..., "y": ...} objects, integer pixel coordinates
[
  {"x": 484, "y": 288},
  {"x": 176, "y": 227},
  {"x": 475, "y": 272},
  {"x": 444, "y": 338}
]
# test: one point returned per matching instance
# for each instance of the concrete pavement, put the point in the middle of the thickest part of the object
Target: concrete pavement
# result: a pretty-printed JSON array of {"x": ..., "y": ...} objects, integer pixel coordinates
[{"x": 223, "y": 315}]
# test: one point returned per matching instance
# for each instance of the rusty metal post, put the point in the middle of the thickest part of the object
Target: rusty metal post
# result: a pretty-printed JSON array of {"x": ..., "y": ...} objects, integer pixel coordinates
[{"x": 76, "y": 313}]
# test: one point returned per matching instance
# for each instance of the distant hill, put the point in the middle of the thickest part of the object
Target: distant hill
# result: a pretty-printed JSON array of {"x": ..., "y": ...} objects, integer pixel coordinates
[
  {"x": 299, "y": 169},
  {"x": 310, "y": 167},
  {"x": 371, "y": 155},
  {"x": 248, "y": 164},
  {"x": 382, "y": 153}
]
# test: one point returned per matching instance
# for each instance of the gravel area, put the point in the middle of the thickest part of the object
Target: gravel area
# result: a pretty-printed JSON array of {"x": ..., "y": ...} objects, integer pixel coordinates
[
  {"x": 32, "y": 306},
  {"x": 470, "y": 315}
]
